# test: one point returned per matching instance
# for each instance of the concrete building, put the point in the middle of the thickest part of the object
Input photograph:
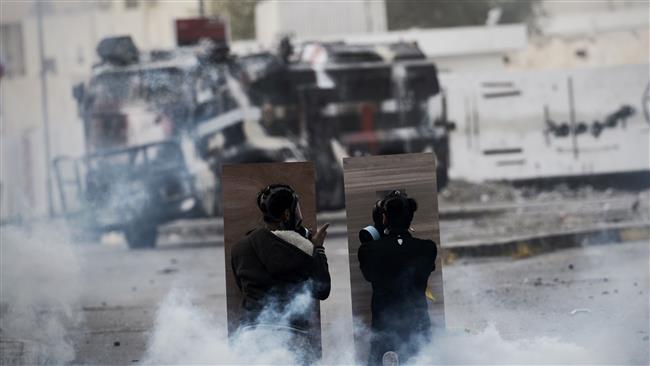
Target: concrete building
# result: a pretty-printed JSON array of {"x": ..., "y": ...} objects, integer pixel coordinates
[
  {"x": 589, "y": 61},
  {"x": 576, "y": 34},
  {"x": 71, "y": 31}
]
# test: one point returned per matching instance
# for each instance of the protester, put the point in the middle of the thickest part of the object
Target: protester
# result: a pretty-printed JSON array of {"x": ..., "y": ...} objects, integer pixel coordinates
[
  {"x": 398, "y": 266},
  {"x": 276, "y": 263}
]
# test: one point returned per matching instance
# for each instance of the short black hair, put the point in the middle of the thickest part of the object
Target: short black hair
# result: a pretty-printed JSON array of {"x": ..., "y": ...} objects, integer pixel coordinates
[
  {"x": 399, "y": 211},
  {"x": 274, "y": 200}
]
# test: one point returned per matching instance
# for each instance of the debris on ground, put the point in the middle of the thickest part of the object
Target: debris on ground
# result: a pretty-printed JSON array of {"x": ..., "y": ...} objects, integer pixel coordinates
[
  {"x": 460, "y": 191},
  {"x": 168, "y": 270},
  {"x": 510, "y": 211},
  {"x": 578, "y": 311},
  {"x": 116, "y": 344}
]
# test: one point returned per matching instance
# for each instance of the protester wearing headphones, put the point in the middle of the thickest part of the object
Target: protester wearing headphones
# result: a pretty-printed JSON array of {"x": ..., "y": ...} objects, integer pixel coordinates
[
  {"x": 275, "y": 263},
  {"x": 398, "y": 266}
]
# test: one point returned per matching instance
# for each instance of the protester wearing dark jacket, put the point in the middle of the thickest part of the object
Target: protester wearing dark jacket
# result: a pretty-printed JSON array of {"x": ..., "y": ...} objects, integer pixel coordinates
[
  {"x": 398, "y": 266},
  {"x": 274, "y": 264},
  {"x": 271, "y": 267}
]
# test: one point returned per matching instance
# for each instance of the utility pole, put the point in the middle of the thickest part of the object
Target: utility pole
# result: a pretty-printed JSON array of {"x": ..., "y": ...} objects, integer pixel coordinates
[
  {"x": 44, "y": 107},
  {"x": 201, "y": 8}
]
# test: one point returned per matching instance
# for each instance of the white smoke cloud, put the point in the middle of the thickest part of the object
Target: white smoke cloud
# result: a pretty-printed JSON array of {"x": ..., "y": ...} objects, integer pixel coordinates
[
  {"x": 40, "y": 291},
  {"x": 488, "y": 347},
  {"x": 187, "y": 334}
]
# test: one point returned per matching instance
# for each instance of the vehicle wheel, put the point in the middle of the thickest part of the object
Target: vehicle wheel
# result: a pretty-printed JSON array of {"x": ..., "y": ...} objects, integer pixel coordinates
[{"x": 141, "y": 236}]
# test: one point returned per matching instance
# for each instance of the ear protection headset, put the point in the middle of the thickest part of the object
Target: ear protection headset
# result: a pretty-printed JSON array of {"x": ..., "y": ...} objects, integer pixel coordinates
[
  {"x": 380, "y": 206},
  {"x": 374, "y": 232},
  {"x": 294, "y": 223}
]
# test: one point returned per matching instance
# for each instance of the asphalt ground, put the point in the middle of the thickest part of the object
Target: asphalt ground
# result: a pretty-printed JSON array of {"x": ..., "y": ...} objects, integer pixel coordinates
[{"x": 606, "y": 287}]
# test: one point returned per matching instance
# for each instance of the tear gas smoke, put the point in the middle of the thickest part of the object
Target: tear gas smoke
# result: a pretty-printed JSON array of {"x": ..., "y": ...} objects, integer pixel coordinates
[
  {"x": 40, "y": 290},
  {"x": 187, "y": 334}
]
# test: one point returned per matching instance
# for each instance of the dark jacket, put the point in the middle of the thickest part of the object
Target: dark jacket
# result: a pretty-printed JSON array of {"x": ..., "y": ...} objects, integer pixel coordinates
[
  {"x": 270, "y": 271},
  {"x": 398, "y": 274}
]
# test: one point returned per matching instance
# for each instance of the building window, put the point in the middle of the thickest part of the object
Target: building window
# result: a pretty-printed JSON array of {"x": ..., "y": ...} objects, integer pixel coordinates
[
  {"x": 12, "y": 54},
  {"x": 131, "y": 4}
]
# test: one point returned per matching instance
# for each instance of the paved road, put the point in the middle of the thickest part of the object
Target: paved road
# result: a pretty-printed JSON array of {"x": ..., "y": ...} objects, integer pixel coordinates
[
  {"x": 524, "y": 298},
  {"x": 606, "y": 287}
]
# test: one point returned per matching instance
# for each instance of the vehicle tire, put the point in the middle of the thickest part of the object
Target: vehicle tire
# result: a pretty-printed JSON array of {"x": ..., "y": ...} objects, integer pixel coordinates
[{"x": 141, "y": 236}]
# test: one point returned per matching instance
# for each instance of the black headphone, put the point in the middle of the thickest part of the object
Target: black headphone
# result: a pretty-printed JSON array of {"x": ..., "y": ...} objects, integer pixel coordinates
[
  {"x": 380, "y": 206},
  {"x": 294, "y": 224}
]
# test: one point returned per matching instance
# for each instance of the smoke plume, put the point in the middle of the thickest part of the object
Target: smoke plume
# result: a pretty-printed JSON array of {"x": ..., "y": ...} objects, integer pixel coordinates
[
  {"x": 187, "y": 334},
  {"x": 40, "y": 292}
]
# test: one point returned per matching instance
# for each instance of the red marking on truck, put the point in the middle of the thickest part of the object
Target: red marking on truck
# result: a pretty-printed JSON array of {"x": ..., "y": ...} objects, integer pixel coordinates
[
  {"x": 368, "y": 126},
  {"x": 190, "y": 31}
]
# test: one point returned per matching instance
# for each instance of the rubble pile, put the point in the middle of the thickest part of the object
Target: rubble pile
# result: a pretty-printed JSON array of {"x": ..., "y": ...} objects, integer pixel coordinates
[
  {"x": 459, "y": 191},
  {"x": 524, "y": 211},
  {"x": 464, "y": 192}
]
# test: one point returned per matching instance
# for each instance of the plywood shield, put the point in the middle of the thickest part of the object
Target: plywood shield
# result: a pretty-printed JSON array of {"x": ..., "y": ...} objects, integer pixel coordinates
[
  {"x": 367, "y": 179},
  {"x": 240, "y": 185}
]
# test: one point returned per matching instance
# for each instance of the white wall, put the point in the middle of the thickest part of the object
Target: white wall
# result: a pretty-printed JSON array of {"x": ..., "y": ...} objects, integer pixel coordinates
[
  {"x": 307, "y": 19},
  {"x": 606, "y": 49},
  {"x": 517, "y": 121},
  {"x": 555, "y": 8},
  {"x": 481, "y": 62},
  {"x": 605, "y": 33}
]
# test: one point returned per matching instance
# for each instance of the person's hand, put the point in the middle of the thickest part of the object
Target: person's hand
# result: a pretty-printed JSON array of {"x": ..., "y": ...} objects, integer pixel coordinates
[{"x": 319, "y": 238}]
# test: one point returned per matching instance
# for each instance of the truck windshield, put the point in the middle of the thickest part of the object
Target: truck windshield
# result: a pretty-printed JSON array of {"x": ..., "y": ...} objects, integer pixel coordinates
[{"x": 160, "y": 85}]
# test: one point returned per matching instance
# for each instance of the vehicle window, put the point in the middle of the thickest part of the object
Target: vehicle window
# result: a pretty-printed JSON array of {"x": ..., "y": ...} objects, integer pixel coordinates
[{"x": 155, "y": 85}]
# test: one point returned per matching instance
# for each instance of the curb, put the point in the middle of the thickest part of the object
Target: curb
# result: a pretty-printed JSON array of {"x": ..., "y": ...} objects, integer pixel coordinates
[{"x": 526, "y": 246}]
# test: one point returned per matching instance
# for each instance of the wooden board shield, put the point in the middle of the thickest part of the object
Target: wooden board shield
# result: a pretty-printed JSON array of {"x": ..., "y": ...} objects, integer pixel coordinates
[
  {"x": 367, "y": 179},
  {"x": 240, "y": 185}
]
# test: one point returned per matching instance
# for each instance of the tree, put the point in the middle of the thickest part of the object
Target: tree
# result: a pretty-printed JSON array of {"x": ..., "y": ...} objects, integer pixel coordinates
[
  {"x": 404, "y": 14},
  {"x": 240, "y": 15}
]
